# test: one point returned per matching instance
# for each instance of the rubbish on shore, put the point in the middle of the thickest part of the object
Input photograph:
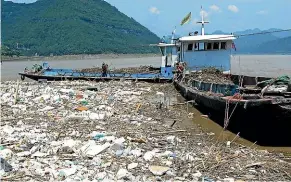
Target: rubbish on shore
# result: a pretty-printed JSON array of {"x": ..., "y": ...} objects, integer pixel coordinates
[
  {"x": 257, "y": 164},
  {"x": 149, "y": 155},
  {"x": 82, "y": 108},
  {"x": 204, "y": 116},
  {"x": 111, "y": 141},
  {"x": 158, "y": 170},
  {"x": 132, "y": 166},
  {"x": 5, "y": 165},
  {"x": 139, "y": 140},
  {"x": 168, "y": 132},
  {"x": 228, "y": 143},
  {"x": 122, "y": 173},
  {"x": 91, "y": 149}
]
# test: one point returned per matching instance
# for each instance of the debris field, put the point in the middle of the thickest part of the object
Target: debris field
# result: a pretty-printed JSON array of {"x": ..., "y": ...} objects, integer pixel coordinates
[{"x": 117, "y": 131}]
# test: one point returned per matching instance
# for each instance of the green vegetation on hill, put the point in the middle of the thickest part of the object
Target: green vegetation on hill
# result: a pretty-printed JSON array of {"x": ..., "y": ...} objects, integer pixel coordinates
[
  {"x": 6, "y": 51},
  {"x": 62, "y": 27}
]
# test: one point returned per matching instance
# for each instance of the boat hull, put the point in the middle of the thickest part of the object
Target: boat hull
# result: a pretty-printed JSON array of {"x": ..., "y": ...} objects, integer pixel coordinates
[
  {"x": 259, "y": 121},
  {"x": 90, "y": 78}
]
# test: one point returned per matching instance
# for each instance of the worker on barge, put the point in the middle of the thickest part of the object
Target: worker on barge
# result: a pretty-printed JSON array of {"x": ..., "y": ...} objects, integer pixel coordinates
[
  {"x": 104, "y": 70},
  {"x": 180, "y": 71}
]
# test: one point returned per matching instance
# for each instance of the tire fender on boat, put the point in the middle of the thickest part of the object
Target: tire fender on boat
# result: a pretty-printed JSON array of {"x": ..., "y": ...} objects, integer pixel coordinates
[{"x": 22, "y": 77}]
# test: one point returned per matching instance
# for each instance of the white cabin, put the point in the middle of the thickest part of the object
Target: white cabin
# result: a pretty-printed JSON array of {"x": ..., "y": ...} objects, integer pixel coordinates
[
  {"x": 199, "y": 51},
  {"x": 169, "y": 54}
]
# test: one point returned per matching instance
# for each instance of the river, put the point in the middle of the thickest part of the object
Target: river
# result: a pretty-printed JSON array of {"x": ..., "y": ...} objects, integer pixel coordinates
[{"x": 251, "y": 65}]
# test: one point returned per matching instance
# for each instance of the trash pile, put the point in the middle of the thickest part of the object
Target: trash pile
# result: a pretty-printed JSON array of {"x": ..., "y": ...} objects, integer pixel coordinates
[
  {"x": 141, "y": 69},
  {"x": 280, "y": 84},
  {"x": 116, "y": 131},
  {"x": 210, "y": 75},
  {"x": 36, "y": 68},
  {"x": 130, "y": 70},
  {"x": 90, "y": 70}
]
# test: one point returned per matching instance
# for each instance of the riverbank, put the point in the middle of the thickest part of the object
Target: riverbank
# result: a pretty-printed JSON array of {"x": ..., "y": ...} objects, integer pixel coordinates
[
  {"x": 76, "y": 57},
  {"x": 118, "y": 131}
]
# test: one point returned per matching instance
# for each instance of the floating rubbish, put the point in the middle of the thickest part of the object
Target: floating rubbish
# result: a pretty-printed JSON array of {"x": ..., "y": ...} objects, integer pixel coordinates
[
  {"x": 5, "y": 165},
  {"x": 132, "y": 166},
  {"x": 99, "y": 136},
  {"x": 83, "y": 135},
  {"x": 122, "y": 173},
  {"x": 158, "y": 170},
  {"x": 204, "y": 116},
  {"x": 82, "y": 108},
  {"x": 139, "y": 140}
]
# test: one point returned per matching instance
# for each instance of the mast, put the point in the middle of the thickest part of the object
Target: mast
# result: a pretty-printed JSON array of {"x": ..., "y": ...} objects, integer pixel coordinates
[
  {"x": 202, "y": 22},
  {"x": 173, "y": 35}
]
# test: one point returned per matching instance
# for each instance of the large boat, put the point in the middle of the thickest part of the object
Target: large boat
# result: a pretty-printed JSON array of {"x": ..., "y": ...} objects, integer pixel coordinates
[{"x": 259, "y": 113}]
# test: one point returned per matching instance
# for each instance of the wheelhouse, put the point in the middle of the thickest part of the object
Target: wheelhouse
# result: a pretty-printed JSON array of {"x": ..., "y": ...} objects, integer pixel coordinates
[{"x": 201, "y": 51}]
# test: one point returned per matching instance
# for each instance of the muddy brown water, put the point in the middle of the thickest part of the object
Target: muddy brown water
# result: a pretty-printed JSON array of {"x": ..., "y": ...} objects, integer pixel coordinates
[
  {"x": 209, "y": 126},
  {"x": 221, "y": 135}
]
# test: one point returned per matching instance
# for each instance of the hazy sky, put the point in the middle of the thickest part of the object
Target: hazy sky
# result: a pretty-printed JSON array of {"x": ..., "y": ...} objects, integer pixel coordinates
[{"x": 161, "y": 16}]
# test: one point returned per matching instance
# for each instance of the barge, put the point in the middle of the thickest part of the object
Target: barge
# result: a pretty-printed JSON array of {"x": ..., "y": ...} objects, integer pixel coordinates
[{"x": 238, "y": 103}]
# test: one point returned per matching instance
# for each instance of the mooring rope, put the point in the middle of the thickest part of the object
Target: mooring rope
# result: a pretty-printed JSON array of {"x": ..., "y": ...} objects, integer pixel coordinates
[{"x": 226, "y": 118}]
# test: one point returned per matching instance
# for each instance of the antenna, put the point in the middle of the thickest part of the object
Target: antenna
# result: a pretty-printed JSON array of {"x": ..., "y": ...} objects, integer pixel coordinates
[
  {"x": 173, "y": 35},
  {"x": 202, "y": 21}
]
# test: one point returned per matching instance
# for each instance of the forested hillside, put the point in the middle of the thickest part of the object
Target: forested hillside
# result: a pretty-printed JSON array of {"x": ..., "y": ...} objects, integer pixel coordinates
[{"x": 62, "y": 27}]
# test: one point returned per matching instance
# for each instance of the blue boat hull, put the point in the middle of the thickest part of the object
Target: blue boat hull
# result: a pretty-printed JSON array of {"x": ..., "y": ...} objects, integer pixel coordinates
[{"x": 69, "y": 74}]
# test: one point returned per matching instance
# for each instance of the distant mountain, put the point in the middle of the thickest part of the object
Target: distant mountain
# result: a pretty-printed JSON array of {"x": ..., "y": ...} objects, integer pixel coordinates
[
  {"x": 278, "y": 46},
  {"x": 253, "y": 44},
  {"x": 280, "y": 34},
  {"x": 63, "y": 27}
]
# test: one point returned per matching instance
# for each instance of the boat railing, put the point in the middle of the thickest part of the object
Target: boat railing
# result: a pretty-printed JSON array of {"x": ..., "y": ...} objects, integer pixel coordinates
[{"x": 199, "y": 68}]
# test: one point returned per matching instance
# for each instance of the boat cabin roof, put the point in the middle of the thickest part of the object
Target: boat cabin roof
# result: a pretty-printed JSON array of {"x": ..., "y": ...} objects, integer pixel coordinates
[
  {"x": 207, "y": 38},
  {"x": 165, "y": 45}
]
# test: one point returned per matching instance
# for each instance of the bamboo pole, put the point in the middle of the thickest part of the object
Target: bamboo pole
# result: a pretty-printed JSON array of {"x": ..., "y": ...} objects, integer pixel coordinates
[{"x": 16, "y": 92}]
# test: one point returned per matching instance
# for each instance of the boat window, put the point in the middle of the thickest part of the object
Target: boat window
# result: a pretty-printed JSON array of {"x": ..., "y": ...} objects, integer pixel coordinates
[
  {"x": 223, "y": 45},
  {"x": 196, "y": 46},
  {"x": 190, "y": 47},
  {"x": 201, "y": 46},
  {"x": 215, "y": 45},
  {"x": 205, "y": 45},
  {"x": 178, "y": 48},
  {"x": 209, "y": 46}
]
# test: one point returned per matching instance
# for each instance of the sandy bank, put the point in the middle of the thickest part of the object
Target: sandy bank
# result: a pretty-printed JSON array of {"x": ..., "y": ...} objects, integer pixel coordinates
[{"x": 77, "y": 57}]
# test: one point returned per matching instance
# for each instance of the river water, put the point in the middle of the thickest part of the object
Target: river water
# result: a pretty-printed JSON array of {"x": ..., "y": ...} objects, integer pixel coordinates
[
  {"x": 10, "y": 69},
  {"x": 250, "y": 65}
]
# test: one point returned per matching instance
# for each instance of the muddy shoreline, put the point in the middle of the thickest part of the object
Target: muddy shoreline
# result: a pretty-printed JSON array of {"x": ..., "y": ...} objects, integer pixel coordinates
[{"x": 76, "y": 57}]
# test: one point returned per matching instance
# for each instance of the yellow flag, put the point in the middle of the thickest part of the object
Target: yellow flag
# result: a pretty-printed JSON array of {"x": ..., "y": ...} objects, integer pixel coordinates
[{"x": 186, "y": 19}]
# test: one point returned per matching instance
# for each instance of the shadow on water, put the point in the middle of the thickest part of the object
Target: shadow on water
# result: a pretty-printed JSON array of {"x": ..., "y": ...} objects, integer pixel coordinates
[{"x": 200, "y": 117}]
